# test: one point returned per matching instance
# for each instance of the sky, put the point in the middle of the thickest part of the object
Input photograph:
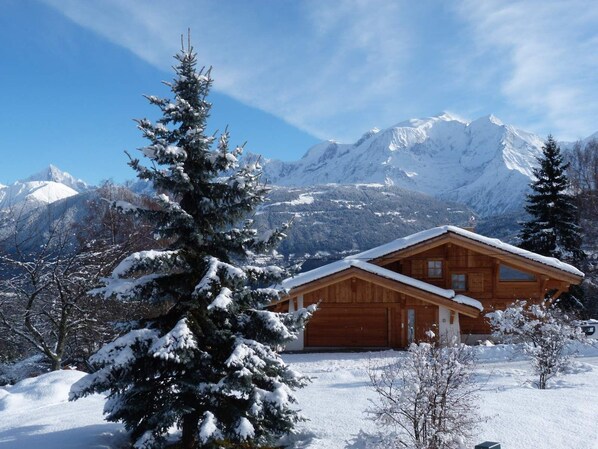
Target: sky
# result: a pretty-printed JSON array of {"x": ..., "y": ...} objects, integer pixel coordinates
[{"x": 287, "y": 74}]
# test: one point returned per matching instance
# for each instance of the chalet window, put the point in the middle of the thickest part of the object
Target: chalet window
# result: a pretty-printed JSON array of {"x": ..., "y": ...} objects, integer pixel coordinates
[
  {"x": 506, "y": 273},
  {"x": 458, "y": 282},
  {"x": 434, "y": 268}
]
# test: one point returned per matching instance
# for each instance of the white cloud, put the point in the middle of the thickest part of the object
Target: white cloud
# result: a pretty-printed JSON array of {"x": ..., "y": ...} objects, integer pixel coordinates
[
  {"x": 318, "y": 65},
  {"x": 547, "y": 54},
  {"x": 336, "y": 68}
]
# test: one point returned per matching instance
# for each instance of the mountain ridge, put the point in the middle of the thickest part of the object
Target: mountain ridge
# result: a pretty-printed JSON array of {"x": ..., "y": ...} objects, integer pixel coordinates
[
  {"x": 28, "y": 195},
  {"x": 482, "y": 163}
]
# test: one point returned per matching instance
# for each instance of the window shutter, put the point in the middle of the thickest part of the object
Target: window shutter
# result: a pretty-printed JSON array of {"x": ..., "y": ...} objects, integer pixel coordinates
[{"x": 476, "y": 282}]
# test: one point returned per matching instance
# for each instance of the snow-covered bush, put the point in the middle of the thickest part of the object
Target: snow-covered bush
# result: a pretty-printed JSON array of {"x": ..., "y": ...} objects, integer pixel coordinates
[
  {"x": 13, "y": 372},
  {"x": 544, "y": 333},
  {"x": 428, "y": 398}
]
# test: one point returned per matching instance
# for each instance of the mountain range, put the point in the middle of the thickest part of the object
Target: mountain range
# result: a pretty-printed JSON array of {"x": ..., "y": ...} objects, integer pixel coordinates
[
  {"x": 349, "y": 197},
  {"x": 483, "y": 163}
]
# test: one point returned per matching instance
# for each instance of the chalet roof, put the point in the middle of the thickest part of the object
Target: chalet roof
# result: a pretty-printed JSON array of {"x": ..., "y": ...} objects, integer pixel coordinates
[
  {"x": 420, "y": 237},
  {"x": 344, "y": 264}
]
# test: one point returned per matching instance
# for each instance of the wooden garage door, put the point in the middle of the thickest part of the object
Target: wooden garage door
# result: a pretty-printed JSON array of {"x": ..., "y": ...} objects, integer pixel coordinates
[{"x": 354, "y": 327}]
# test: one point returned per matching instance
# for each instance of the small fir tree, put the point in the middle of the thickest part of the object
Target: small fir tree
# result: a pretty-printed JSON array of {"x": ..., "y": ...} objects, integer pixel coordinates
[
  {"x": 553, "y": 229},
  {"x": 208, "y": 365}
]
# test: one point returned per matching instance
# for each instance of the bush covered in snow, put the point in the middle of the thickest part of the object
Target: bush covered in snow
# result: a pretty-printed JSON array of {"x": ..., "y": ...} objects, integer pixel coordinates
[
  {"x": 13, "y": 372},
  {"x": 428, "y": 398},
  {"x": 543, "y": 331}
]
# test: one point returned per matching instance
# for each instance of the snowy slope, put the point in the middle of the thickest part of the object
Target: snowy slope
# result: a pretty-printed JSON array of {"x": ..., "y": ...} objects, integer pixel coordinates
[
  {"x": 518, "y": 415},
  {"x": 484, "y": 163},
  {"x": 43, "y": 188},
  {"x": 35, "y": 413},
  {"x": 32, "y": 194},
  {"x": 53, "y": 173}
]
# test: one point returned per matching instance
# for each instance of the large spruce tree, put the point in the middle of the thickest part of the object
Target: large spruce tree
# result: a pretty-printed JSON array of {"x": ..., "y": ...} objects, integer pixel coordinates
[
  {"x": 553, "y": 228},
  {"x": 208, "y": 365}
]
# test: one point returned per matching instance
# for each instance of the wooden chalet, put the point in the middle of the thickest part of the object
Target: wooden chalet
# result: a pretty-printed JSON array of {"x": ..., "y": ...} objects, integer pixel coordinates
[{"x": 444, "y": 279}]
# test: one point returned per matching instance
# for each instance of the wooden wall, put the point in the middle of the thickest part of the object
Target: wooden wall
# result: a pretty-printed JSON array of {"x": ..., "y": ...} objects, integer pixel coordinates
[
  {"x": 483, "y": 282},
  {"x": 358, "y": 313},
  {"x": 352, "y": 290}
]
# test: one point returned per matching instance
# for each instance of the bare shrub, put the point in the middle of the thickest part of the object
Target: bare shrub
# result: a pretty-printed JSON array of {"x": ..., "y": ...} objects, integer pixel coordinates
[
  {"x": 543, "y": 331},
  {"x": 428, "y": 398}
]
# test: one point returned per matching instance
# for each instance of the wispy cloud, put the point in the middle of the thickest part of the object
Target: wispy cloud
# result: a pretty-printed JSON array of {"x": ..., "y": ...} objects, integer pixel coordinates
[
  {"x": 547, "y": 56},
  {"x": 318, "y": 65},
  {"x": 335, "y": 68}
]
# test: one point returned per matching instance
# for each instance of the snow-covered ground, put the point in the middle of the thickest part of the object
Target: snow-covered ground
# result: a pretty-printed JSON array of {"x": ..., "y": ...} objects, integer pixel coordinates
[
  {"x": 35, "y": 413},
  {"x": 519, "y": 415}
]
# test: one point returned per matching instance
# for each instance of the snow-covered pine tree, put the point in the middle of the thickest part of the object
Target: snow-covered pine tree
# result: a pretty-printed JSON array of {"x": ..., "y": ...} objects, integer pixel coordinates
[
  {"x": 208, "y": 365},
  {"x": 553, "y": 228}
]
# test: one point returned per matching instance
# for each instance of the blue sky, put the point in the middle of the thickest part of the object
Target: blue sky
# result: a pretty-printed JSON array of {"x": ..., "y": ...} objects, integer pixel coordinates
[{"x": 287, "y": 73}]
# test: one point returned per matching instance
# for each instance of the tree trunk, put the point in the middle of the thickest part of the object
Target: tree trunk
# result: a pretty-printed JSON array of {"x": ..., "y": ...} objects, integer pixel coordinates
[
  {"x": 56, "y": 364},
  {"x": 190, "y": 430}
]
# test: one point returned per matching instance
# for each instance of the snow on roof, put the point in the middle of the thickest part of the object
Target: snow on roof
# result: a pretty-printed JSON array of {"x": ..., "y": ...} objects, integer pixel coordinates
[
  {"x": 341, "y": 265},
  {"x": 468, "y": 301},
  {"x": 399, "y": 244},
  {"x": 419, "y": 237},
  {"x": 315, "y": 274}
]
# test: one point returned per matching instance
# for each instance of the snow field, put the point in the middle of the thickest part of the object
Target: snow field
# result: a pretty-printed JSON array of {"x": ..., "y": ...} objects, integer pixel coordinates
[
  {"x": 519, "y": 416},
  {"x": 35, "y": 413}
]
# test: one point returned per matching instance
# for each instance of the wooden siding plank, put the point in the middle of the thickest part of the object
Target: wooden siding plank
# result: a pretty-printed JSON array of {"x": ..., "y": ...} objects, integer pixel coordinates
[{"x": 321, "y": 294}]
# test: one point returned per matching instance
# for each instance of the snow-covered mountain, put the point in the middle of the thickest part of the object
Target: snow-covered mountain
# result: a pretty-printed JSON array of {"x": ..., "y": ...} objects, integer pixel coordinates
[
  {"x": 32, "y": 194},
  {"x": 483, "y": 163},
  {"x": 53, "y": 173},
  {"x": 41, "y": 189}
]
